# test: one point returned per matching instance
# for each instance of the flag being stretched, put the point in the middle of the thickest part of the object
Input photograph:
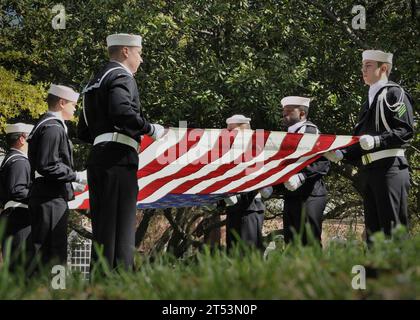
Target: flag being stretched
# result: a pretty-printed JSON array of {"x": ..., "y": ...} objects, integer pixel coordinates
[{"x": 193, "y": 167}]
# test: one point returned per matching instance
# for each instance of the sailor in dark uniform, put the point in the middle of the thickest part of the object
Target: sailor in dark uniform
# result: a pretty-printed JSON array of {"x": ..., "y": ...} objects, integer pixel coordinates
[
  {"x": 113, "y": 122},
  {"x": 51, "y": 158},
  {"x": 15, "y": 180},
  {"x": 386, "y": 126},
  {"x": 305, "y": 195},
  {"x": 245, "y": 211}
]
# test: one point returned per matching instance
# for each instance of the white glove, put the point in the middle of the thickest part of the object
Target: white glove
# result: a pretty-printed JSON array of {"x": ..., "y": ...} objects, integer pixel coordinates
[
  {"x": 266, "y": 192},
  {"x": 334, "y": 156},
  {"x": 81, "y": 177},
  {"x": 156, "y": 131},
  {"x": 368, "y": 142},
  {"x": 78, "y": 187},
  {"x": 231, "y": 200},
  {"x": 294, "y": 182}
]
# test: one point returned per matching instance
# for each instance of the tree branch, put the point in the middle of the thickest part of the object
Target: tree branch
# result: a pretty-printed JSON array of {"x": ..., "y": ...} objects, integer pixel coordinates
[
  {"x": 143, "y": 226},
  {"x": 334, "y": 18},
  {"x": 177, "y": 230},
  {"x": 200, "y": 230},
  {"x": 342, "y": 208},
  {"x": 81, "y": 230}
]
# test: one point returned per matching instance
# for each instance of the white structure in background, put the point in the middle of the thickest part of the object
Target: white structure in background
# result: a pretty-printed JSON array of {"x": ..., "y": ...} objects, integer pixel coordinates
[{"x": 78, "y": 257}]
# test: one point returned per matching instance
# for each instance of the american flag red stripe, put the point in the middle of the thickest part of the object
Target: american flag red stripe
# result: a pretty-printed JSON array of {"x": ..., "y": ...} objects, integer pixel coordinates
[
  {"x": 322, "y": 143},
  {"x": 214, "y": 153},
  {"x": 190, "y": 167}
]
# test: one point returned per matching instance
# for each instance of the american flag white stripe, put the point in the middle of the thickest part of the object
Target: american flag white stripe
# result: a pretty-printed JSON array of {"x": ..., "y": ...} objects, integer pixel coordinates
[{"x": 78, "y": 200}]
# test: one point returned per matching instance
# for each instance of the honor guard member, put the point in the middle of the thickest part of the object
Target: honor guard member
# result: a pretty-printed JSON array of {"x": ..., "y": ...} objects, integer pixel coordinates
[
  {"x": 245, "y": 211},
  {"x": 114, "y": 123},
  {"x": 305, "y": 195},
  {"x": 51, "y": 158},
  {"x": 386, "y": 127},
  {"x": 15, "y": 180}
]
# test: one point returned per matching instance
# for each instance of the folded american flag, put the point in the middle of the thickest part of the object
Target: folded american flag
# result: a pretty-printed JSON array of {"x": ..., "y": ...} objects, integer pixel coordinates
[{"x": 193, "y": 167}]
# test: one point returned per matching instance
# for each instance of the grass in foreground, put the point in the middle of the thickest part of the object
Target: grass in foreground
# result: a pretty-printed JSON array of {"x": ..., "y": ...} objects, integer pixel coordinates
[{"x": 292, "y": 272}]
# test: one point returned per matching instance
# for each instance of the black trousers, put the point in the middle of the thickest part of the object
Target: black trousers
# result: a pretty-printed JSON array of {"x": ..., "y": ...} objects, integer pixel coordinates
[
  {"x": 302, "y": 214},
  {"x": 49, "y": 229},
  {"x": 17, "y": 230},
  {"x": 246, "y": 226},
  {"x": 385, "y": 196},
  {"x": 113, "y": 198}
]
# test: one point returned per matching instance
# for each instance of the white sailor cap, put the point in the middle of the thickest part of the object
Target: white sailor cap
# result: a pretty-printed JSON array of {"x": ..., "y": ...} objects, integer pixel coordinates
[
  {"x": 64, "y": 92},
  {"x": 238, "y": 118},
  {"x": 19, "y": 127},
  {"x": 295, "y": 101},
  {"x": 377, "y": 55},
  {"x": 123, "y": 39}
]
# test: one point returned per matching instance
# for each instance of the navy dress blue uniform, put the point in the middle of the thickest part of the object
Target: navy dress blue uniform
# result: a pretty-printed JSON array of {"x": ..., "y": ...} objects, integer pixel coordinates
[
  {"x": 384, "y": 179},
  {"x": 51, "y": 156},
  {"x": 15, "y": 181},
  {"x": 113, "y": 121},
  {"x": 306, "y": 205},
  {"x": 244, "y": 220}
]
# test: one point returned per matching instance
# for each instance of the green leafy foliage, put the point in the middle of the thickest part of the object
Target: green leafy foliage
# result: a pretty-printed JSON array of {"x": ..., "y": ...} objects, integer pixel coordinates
[{"x": 19, "y": 98}]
